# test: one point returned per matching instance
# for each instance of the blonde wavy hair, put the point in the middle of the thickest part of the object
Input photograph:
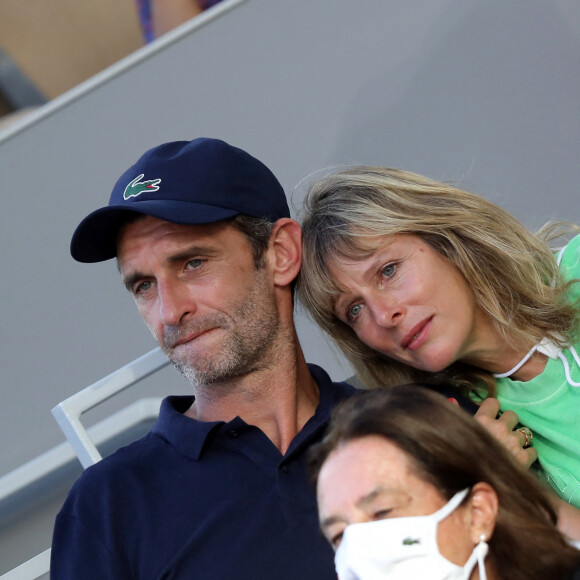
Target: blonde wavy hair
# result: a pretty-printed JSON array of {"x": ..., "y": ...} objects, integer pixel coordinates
[{"x": 512, "y": 271}]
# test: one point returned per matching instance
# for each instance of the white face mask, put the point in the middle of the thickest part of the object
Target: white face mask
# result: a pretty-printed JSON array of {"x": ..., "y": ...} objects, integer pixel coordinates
[{"x": 403, "y": 549}]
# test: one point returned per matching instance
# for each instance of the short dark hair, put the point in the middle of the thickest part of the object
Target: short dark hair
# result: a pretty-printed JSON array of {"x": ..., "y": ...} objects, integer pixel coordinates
[{"x": 257, "y": 232}]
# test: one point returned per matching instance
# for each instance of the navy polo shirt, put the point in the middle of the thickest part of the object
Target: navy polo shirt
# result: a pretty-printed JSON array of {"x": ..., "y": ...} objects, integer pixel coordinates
[{"x": 192, "y": 499}]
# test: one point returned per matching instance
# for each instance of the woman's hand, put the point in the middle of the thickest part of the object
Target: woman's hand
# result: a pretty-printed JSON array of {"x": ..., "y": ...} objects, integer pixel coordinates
[{"x": 502, "y": 428}]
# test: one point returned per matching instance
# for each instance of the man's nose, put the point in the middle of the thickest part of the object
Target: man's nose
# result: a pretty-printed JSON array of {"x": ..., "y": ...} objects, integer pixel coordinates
[{"x": 174, "y": 303}]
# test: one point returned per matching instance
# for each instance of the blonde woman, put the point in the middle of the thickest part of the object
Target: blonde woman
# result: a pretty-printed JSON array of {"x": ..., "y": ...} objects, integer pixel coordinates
[{"x": 418, "y": 280}]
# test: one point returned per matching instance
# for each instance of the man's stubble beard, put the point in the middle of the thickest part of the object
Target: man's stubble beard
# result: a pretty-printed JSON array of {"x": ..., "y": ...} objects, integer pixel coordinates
[{"x": 250, "y": 334}]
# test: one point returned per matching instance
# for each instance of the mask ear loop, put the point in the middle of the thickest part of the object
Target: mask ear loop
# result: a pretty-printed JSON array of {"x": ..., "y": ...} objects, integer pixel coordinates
[
  {"x": 481, "y": 550},
  {"x": 478, "y": 555}
]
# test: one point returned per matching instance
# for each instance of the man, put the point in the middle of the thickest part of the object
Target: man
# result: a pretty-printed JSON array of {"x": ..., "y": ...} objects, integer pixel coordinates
[{"x": 218, "y": 489}]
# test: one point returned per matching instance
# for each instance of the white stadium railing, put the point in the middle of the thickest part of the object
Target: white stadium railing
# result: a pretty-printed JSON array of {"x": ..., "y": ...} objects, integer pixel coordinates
[{"x": 83, "y": 442}]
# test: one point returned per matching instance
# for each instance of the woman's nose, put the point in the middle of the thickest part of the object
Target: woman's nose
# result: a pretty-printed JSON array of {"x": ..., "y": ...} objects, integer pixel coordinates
[{"x": 387, "y": 315}]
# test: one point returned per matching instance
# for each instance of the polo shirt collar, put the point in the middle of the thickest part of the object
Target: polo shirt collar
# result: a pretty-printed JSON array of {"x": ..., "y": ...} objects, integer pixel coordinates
[{"x": 188, "y": 436}]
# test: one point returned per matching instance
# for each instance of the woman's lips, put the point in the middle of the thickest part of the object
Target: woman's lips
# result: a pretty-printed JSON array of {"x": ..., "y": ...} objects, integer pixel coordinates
[{"x": 418, "y": 334}]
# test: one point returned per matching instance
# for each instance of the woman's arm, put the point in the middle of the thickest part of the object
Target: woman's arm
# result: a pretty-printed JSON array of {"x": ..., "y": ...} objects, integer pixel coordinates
[{"x": 568, "y": 518}]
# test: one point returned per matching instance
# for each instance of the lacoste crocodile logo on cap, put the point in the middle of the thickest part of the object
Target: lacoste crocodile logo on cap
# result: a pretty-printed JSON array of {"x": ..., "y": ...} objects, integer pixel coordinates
[{"x": 136, "y": 187}]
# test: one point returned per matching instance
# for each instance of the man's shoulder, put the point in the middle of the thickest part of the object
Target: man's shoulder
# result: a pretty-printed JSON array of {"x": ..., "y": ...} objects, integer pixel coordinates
[{"x": 122, "y": 468}]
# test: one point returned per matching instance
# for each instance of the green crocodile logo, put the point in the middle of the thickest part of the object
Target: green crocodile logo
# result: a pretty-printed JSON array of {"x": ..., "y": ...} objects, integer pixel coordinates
[
  {"x": 136, "y": 187},
  {"x": 411, "y": 541}
]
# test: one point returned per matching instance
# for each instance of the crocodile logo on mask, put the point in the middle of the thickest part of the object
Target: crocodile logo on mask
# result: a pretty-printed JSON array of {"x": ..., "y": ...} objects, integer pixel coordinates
[{"x": 411, "y": 541}]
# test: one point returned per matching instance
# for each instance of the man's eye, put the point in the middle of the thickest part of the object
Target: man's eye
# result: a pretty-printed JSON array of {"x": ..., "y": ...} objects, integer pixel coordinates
[
  {"x": 142, "y": 287},
  {"x": 354, "y": 311}
]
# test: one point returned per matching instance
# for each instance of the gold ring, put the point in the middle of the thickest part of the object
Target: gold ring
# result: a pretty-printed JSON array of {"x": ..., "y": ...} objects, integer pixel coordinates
[{"x": 528, "y": 435}]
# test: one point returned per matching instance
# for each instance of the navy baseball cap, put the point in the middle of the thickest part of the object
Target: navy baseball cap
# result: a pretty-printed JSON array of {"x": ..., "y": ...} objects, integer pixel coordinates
[{"x": 185, "y": 182}]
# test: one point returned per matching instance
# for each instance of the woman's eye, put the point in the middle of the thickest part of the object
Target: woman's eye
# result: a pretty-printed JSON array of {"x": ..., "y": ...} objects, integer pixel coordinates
[
  {"x": 335, "y": 540},
  {"x": 388, "y": 270},
  {"x": 354, "y": 311},
  {"x": 381, "y": 514},
  {"x": 194, "y": 264}
]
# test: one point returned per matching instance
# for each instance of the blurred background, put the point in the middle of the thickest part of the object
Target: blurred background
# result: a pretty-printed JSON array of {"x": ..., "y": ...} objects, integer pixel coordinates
[{"x": 49, "y": 46}]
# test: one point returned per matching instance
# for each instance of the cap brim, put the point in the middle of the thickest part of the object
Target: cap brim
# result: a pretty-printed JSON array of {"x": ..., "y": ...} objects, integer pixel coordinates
[{"x": 95, "y": 238}]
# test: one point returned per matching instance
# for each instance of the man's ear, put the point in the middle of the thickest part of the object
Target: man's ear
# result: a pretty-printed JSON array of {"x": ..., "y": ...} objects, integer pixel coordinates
[
  {"x": 484, "y": 507},
  {"x": 285, "y": 251}
]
